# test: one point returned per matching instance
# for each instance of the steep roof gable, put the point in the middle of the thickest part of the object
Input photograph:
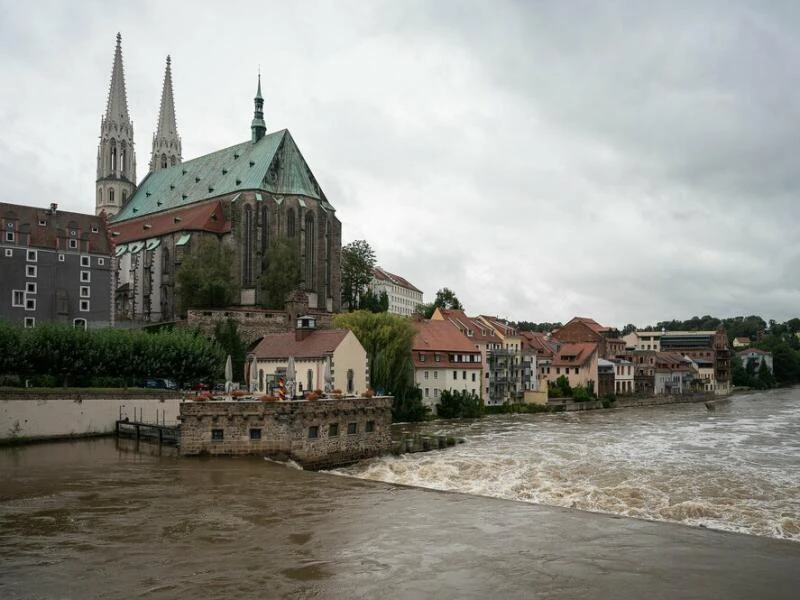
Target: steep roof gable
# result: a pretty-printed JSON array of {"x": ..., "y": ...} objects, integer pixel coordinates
[{"x": 273, "y": 164}]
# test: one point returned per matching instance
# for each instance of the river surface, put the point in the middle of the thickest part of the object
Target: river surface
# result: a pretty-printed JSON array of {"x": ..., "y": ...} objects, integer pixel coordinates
[
  {"x": 109, "y": 519},
  {"x": 736, "y": 468}
]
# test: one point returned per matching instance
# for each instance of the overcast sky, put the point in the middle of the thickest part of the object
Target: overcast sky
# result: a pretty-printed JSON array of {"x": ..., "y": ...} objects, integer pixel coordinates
[{"x": 629, "y": 161}]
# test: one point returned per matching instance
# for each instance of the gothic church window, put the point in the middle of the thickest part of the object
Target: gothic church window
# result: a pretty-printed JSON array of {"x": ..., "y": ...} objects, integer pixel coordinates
[
  {"x": 163, "y": 161},
  {"x": 112, "y": 164},
  {"x": 124, "y": 157},
  {"x": 311, "y": 249},
  {"x": 247, "y": 239},
  {"x": 290, "y": 228},
  {"x": 264, "y": 229},
  {"x": 124, "y": 196},
  {"x": 111, "y": 196},
  {"x": 172, "y": 161}
]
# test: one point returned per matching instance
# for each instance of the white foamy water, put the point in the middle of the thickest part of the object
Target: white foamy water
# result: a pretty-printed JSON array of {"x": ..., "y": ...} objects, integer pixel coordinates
[{"x": 735, "y": 469}]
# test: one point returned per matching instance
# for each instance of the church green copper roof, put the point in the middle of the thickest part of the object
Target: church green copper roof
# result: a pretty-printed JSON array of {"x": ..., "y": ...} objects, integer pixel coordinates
[{"x": 273, "y": 164}]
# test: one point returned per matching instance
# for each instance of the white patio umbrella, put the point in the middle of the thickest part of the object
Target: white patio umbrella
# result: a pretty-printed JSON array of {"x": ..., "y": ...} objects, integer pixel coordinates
[
  {"x": 290, "y": 374},
  {"x": 228, "y": 374},
  {"x": 328, "y": 377},
  {"x": 253, "y": 375}
]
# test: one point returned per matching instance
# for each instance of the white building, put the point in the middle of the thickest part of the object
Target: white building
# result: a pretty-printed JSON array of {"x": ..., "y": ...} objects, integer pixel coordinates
[{"x": 403, "y": 297}]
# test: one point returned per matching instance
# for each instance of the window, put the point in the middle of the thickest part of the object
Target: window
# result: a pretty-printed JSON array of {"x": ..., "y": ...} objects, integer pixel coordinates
[
  {"x": 42, "y": 222},
  {"x": 9, "y": 253},
  {"x": 85, "y": 261},
  {"x": 31, "y": 255},
  {"x": 436, "y": 357},
  {"x": 30, "y": 287},
  {"x": 421, "y": 355},
  {"x": 370, "y": 426},
  {"x": 60, "y": 257},
  {"x": 350, "y": 381},
  {"x": 86, "y": 276},
  {"x": 79, "y": 324},
  {"x": 217, "y": 435},
  {"x": 255, "y": 433},
  {"x": 30, "y": 271},
  {"x": 9, "y": 236},
  {"x": 85, "y": 291},
  {"x": 463, "y": 374},
  {"x": 352, "y": 428},
  {"x": 101, "y": 261},
  {"x": 427, "y": 392},
  {"x": 94, "y": 229},
  {"x": 313, "y": 432},
  {"x": 436, "y": 374},
  {"x": 435, "y": 392},
  {"x": 473, "y": 377},
  {"x": 73, "y": 243},
  {"x": 17, "y": 298},
  {"x": 84, "y": 306},
  {"x": 455, "y": 374},
  {"x": 333, "y": 430},
  {"x": 426, "y": 374},
  {"x": 30, "y": 322}
]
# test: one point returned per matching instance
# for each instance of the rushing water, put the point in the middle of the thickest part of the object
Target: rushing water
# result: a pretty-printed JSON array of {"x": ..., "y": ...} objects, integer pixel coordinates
[
  {"x": 736, "y": 468},
  {"x": 115, "y": 520}
]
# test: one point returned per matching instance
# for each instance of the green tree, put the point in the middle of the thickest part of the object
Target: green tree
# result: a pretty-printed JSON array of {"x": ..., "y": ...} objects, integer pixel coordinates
[
  {"x": 358, "y": 263},
  {"x": 765, "y": 378},
  {"x": 388, "y": 339},
  {"x": 281, "y": 272},
  {"x": 226, "y": 334},
  {"x": 454, "y": 404},
  {"x": 374, "y": 302},
  {"x": 445, "y": 298},
  {"x": 205, "y": 278}
]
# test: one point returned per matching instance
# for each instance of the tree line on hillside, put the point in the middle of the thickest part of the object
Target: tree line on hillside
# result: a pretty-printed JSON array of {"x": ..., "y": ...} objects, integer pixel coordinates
[{"x": 51, "y": 355}]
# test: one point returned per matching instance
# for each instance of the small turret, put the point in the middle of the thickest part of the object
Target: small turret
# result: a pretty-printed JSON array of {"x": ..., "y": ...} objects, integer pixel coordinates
[{"x": 258, "y": 127}]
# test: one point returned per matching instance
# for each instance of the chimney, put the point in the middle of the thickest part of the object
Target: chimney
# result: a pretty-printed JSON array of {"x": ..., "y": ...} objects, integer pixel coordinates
[
  {"x": 304, "y": 327},
  {"x": 53, "y": 208}
]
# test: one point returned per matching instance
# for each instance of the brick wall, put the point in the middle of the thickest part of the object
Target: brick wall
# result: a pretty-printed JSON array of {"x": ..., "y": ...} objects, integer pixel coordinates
[{"x": 286, "y": 432}]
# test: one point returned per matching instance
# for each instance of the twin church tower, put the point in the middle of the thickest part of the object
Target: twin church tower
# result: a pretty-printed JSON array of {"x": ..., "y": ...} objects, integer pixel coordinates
[{"x": 116, "y": 158}]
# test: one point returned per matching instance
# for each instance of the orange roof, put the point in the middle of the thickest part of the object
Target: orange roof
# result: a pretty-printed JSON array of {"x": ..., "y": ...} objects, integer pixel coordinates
[
  {"x": 590, "y": 323},
  {"x": 539, "y": 342},
  {"x": 316, "y": 345},
  {"x": 481, "y": 333},
  {"x": 383, "y": 275},
  {"x": 573, "y": 355},
  {"x": 204, "y": 216},
  {"x": 441, "y": 336}
]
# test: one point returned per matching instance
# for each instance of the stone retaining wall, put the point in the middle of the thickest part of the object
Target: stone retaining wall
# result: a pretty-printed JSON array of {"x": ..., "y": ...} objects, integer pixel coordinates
[
  {"x": 285, "y": 430},
  {"x": 29, "y": 416}
]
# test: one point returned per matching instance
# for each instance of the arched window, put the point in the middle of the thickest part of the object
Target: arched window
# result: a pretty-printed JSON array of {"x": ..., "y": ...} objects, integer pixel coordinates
[
  {"x": 310, "y": 379},
  {"x": 79, "y": 323},
  {"x": 327, "y": 254},
  {"x": 165, "y": 264},
  {"x": 264, "y": 229},
  {"x": 290, "y": 228},
  {"x": 124, "y": 196},
  {"x": 172, "y": 161},
  {"x": 349, "y": 381},
  {"x": 261, "y": 379},
  {"x": 124, "y": 158},
  {"x": 112, "y": 158},
  {"x": 247, "y": 239},
  {"x": 111, "y": 196},
  {"x": 311, "y": 252},
  {"x": 163, "y": 161}
]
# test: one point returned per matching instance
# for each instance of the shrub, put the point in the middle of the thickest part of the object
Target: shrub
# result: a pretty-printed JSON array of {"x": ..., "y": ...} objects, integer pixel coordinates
[{"x": 10, "y": 381}]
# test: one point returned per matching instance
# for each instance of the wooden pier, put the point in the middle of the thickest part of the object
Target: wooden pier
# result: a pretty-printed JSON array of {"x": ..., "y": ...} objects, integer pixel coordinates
[{"x": 151, "y": 432}]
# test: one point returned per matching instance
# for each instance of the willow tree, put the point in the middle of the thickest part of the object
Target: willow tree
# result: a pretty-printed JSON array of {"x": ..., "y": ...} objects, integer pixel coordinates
[
  {"x": 281, "y": 272},
  {"x": 388, "y": 339}
]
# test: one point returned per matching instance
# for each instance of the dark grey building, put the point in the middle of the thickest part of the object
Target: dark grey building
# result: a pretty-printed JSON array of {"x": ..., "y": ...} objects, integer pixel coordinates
[{"x": 55, "y": 266}]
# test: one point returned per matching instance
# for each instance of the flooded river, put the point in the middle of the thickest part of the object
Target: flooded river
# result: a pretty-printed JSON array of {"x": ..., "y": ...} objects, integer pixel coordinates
[{"x": 103, "y": 519}]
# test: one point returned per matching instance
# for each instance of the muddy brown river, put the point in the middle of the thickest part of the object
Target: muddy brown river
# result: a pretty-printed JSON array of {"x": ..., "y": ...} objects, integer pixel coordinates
[{"x": 101, "y": 519}]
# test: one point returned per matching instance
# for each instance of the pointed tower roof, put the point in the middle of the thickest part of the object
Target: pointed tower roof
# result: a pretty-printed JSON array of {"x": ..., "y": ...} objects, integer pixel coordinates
[
  {"x": 258, "y": 126},
  {"x": 117, "y": 107},
  {"x": 166, "y": 141},
  {"x": 167, "y": 127}
]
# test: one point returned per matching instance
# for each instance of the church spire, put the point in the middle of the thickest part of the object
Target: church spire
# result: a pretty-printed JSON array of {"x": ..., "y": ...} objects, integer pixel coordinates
[
  {"x": 166, "y": 141},
  {"x": 116, "y": 161},
  {"x": 258, "y": 126}
]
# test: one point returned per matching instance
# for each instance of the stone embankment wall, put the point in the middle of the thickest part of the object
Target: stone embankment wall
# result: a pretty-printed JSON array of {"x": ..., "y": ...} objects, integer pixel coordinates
[
  {"x": 631, "y": 401},
  {"x": 27, "y": 416},
  {"x": 314, "y": 433}
]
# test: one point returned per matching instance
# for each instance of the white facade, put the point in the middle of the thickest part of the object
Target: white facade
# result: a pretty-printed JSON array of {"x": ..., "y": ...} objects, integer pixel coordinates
[
  {"x": 433, "y": 380},
  {"x": 644, "y": 340},
  {"x": 403, "y": 297}
]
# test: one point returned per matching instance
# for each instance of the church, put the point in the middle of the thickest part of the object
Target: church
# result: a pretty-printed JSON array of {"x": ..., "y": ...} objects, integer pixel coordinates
[{"x": 241, "y": 197}]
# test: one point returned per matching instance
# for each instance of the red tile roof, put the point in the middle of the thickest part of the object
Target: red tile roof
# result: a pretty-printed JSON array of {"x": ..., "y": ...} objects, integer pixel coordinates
[
  {"x": 383, "y": 275},
  {"x": 571, "y": 355},
  {"x": 539, "y": 342},
  {"x": 316, "y": 345},
  {"x": 57, "y": 229},
  {"x": 204, "y": 216},
  {"x": 441, "y": 336},
  {"x": 481, "y": 333}
]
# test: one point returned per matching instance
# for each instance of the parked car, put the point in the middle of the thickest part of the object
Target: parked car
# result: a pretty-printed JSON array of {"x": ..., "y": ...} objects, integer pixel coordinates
[{"x": 158, "y": 383}]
